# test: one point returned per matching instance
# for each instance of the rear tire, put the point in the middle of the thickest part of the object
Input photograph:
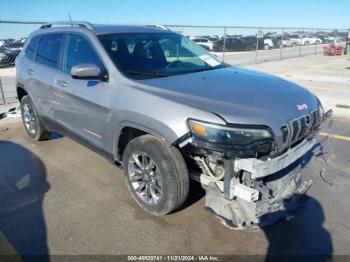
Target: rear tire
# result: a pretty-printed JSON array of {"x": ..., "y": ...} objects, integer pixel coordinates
[
  {"x": 31, "y": 120},
  {"x": 156, "y": 174}
]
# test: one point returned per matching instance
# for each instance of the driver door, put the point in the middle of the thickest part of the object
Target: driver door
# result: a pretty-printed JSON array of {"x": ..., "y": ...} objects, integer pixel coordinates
[{"x": 87, "y": 114}]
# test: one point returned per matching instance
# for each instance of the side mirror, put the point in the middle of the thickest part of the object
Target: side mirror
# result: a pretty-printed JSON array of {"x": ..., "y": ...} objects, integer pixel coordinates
[{"x": 87, "y": 71}]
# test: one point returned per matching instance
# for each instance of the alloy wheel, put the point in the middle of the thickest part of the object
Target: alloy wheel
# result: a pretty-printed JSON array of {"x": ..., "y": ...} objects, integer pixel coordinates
[
  {"x": 145, "y": 178},
  {"x": 29, "y": 118}
]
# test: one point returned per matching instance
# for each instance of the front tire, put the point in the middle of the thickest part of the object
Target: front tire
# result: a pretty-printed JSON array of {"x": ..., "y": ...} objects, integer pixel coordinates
[
  {"x": 31, "y": 120},
  {"x": 156, "y": 174}
]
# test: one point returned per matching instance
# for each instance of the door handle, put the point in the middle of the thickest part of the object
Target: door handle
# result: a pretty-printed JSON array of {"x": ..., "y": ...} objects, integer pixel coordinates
[
  {"x": 62, "y": 83},
  {"x": 30, "y": 71}
]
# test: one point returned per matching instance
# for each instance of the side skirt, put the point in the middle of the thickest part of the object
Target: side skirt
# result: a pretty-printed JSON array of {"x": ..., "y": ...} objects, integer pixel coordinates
[{"x": 79, "y": 139}]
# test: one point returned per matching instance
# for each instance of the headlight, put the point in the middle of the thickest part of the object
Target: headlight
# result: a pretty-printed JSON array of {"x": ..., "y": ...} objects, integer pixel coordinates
[{"x": 228, "y": 135}]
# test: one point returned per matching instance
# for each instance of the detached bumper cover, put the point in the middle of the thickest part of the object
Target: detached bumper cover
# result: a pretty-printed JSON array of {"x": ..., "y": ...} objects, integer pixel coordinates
[
  {"x": 259, "y": 168},
  {"x": 270, "y": 189},
  {"x": 240, "y": 214}
]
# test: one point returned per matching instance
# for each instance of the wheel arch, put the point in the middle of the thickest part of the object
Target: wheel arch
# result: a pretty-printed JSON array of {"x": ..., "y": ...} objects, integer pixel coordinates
[
  {"x": 130, "y": 130},
  {"x": 21, "y": 91}
]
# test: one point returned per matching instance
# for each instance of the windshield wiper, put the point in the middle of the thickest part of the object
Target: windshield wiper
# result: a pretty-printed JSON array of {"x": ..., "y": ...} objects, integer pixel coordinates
[
  {"x": 209, "y": 68},
  {"x": 144, "y": 73}
]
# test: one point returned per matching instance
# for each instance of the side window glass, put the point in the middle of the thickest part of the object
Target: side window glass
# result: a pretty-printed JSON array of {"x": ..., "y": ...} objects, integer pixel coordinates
[
  {"x": 80, "y": 51},
  {"x": 31, "y": 49},
  {"x": 49, "y": 49}
]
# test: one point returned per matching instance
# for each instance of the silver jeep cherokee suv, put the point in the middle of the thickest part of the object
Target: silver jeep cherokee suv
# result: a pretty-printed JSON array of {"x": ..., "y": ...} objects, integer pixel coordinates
[{"x": 166, "y": 110}]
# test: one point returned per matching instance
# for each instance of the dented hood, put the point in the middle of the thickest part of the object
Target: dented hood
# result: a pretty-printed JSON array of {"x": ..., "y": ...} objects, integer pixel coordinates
[{"x": 238, "y": 95}]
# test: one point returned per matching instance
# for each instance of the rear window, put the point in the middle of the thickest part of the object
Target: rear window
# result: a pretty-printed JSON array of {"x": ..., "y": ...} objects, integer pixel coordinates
[
  {"x": 31, "y": 49},
  {"x": 49, "y": 49}
]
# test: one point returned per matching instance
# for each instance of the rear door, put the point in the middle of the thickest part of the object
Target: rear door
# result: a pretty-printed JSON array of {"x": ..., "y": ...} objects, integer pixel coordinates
[
  {"x": 85, "y": 112},
  {"x": 42, "y": 70}
]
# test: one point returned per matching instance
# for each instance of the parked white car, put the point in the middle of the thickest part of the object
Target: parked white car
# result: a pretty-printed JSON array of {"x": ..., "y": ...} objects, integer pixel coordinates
[
  {"x": 268, "y": 44},
  {"x": 310, "y": 40},
  {"x": 293, "y": 40},
  {"x": 204, "y": 42},
  {"x": 288, "y": 42}
]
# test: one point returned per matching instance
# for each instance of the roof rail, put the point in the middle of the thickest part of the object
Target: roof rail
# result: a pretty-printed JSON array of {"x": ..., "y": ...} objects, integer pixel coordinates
[
  {"x": 69, "y": 23},
  {"x": 158, "y": 26}
]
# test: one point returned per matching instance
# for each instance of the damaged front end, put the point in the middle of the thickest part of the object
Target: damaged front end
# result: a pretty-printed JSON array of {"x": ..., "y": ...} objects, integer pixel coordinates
[
  {"x": 251, "y": 196},
  {"x": 249, "y": 183}
]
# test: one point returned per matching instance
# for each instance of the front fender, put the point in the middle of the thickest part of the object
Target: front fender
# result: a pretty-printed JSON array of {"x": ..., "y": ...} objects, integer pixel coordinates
[{"x": 148, "y": 125}]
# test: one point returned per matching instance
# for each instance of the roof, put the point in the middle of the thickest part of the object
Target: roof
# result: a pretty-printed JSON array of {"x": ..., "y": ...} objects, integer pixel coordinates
[
  {"x": 109, "y": 29},
  {"x": 104, "y": 29}
]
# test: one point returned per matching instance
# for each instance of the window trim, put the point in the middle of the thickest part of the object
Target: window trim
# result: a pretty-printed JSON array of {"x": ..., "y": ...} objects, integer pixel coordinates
[
  {"x": 35, "y": 49},
  {"x": 65, "y": 48},
  {"x": 59, "y": 62},
  {"x": 62, "y": 50}
]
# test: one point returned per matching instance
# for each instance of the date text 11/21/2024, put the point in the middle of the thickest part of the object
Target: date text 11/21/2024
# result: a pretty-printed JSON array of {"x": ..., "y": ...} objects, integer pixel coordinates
[{"x": 173, "y": 258}]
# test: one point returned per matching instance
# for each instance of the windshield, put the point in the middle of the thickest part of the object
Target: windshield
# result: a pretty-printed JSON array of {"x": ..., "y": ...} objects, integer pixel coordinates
[{"x": 149, "y": 55}]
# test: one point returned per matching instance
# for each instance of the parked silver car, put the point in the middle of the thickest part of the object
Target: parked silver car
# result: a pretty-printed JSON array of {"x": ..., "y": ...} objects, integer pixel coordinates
[{"x": 165, "y": 110}]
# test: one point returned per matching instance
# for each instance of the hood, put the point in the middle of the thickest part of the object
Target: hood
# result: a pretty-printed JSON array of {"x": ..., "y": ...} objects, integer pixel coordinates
[{"x": 238, "y": 95}]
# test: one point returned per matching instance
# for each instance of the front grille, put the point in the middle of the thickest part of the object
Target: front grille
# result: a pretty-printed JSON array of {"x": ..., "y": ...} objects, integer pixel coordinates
[
  {"x": 284, "y": 131},
  {"x": 299, "y": 128},
  {"x": 295, "y": 129},
  {"x": 314, "y": 117},
  {"x": 303, "y": 127}
]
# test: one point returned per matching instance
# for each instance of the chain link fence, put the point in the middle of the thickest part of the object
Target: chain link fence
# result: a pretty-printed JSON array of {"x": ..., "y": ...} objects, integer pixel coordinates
[
  {"x": 234, "y": 45},
  {"x": 12, "y": 38},
  {"x": 248, "y": 45}
]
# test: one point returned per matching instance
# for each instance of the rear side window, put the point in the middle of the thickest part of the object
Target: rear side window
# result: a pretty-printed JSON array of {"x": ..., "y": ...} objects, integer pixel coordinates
[
  {"x": 49, "y": 49},
  {"x": 31, "y": 49},
  {"x": 80, "y": 51}
]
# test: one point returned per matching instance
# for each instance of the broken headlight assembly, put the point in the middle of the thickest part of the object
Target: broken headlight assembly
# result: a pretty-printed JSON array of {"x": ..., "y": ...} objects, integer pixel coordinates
[{"x": 239, "y": 138}]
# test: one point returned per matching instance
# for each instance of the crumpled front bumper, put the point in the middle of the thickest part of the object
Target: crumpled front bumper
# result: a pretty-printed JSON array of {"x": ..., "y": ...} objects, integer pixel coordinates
[
  {"x": 278, "y": 185},
  {"x": 259, "y": 168},
  {"x": 240, "y": 214}
]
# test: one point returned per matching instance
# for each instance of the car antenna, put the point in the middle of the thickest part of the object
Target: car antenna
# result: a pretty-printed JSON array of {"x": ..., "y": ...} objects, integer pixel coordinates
[{"x": 70, "y": 18}]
